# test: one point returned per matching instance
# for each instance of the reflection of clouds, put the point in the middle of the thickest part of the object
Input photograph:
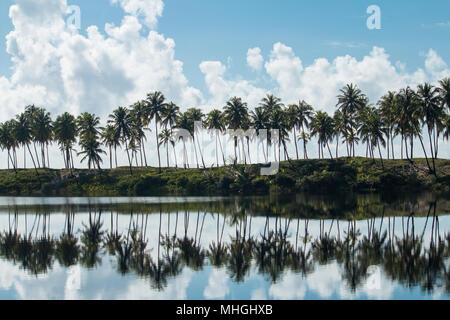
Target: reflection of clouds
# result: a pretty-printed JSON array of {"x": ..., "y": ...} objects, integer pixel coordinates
[
  {"x": 73, "y": 283},
  {"x": 217, "y": 285},
  {"x": 138, "y": 289},
  {"x": 259, "y": 294},
  {"x": 291, "y": 287},
  {"x": 28, "y": 287},
  {"x": 325, "y": 280}
]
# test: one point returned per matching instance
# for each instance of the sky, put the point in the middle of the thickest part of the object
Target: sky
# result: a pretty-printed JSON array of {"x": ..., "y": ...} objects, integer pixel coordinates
[{"x": 200, "y": 53}]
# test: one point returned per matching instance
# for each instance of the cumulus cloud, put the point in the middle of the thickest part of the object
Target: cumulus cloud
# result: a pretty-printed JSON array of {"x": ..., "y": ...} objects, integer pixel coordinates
[
  {"x": 149, "y": 10},
  {"x": 221, "y": 89},
  {"x": 254, "y": 59},
  {"x": 66, "y": 71}
]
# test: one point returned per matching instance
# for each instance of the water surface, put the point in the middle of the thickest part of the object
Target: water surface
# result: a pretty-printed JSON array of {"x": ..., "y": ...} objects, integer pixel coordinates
[{"x": 302, "y": 247}]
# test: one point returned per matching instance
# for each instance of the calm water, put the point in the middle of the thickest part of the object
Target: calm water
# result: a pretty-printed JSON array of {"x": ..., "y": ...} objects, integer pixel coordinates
[{"x": 303, "y": 247}]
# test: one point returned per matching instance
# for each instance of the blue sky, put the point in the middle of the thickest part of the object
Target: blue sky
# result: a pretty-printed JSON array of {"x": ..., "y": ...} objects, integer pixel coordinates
[{"x": 216, "y": 29}]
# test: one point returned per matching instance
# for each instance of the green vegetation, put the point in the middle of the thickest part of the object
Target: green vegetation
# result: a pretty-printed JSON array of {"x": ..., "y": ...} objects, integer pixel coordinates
[{"x": 313, "y": 176}]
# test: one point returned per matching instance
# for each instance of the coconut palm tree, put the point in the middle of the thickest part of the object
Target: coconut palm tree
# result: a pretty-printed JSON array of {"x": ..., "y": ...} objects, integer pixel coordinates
[
  {"x": 279, "y": 120},
  {"x": 111, "y": 141},
  {"x": 23, "y": 135},
  {"x": 185, "y": 122},
  {"x": 196, "y": 115},
  {"x": 339, "y": 128},
  {"x": 236, "y": 113},
  {"x": 91, "y": 150},
  {"x": 350, "y": 102},
  {"x": 8, "y": 142},
  {"x": 301, "y": 115},
  {"x": 88, "y": 125},
  {"x": 444, "y": 90},
  {"x": 431, "y": 113},
  {"x": 42, "y": 131},
  {"x": 322, "y": 126},
  {"x": 215, "y": 123},
  {"x": 407, "y": 118},
  {"x": 138, "y": 111},
  {"x": 155, "y": 108},
  {"x": 260, "y": 121},
  {"x": 65, "y": 131},
  {"x": 165, "y": 137},
  {"x": 120, "y": 119},
  {"x": 388, "y": 108}
]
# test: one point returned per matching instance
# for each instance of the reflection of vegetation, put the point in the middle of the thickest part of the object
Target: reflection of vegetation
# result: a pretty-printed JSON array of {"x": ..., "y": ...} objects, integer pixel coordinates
[{"x": 405, "y": 254}]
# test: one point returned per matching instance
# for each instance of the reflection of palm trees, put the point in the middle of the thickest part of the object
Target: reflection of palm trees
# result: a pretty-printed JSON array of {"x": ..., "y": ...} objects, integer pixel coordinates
[
  {"x": 67, "y": 248},
  {"x": 91, "y": 238},
  {"x": 218, "y": 251}
]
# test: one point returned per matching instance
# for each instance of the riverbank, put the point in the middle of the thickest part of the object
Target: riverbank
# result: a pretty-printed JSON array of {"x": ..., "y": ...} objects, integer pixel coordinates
[{"x": 314, "y": 176}]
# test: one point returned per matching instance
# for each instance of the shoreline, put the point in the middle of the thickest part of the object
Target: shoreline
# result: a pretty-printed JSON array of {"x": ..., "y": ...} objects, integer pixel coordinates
[{"x": 358, "y": 175}]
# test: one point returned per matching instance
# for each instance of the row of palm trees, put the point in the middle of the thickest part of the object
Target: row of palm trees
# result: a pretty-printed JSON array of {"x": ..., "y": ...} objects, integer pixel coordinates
[{"x": 413, "y": 115}]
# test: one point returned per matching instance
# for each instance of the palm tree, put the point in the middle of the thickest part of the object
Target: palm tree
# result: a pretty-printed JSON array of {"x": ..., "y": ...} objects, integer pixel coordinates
[
  {"x": 388, "y": 108},
  {"x": 42, "y": 131},
  {"x": 444, "y": 90},
  {"x": 372, "y": 131},
  {"x": 323, "y": 127},
  {"x": 111, "y": 140},
  {"x": 215, "y": 122},
  {"x": 431, "y": 113},
  {"x": 155, "y": 108},
  {"x": 196, "y": 115},
  {"x": 165, "y": 137},
  {"x": 169, "y": 121},
  {"x": 91, "y": 150},
  {"x": 30, "y": 114},
  {"x": 121, "y": 121},
  {"x": 339, "y": 128},
  {"x": 22, "y": 132},
  {"x": 235, "y": 113},
  {"x": 88, "y": 124},
  {"x": 279, "y": 120},
  {"x": 350, "y": 102},
  {"x": 301, "y": 117},
  {"x": 184, "y": 122},
  {"x": 8, "y": 142},
  {"x": 65, "y": 130},
  {"x": 138, "y": 115},
  {"x": 260, "y": 121}
]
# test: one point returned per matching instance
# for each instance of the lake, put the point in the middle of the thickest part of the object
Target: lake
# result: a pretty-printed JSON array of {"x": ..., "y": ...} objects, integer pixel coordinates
[{"x": 294, "y": 247}]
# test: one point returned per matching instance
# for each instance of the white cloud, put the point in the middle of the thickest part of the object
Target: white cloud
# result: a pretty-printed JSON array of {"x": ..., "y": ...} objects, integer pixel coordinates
[
  {"x": 221, "y": 89},
  {"x": 150, "y": 10},
  {"x": 66, "y": 71},
  {"x": 254, "y": 59},
  {"x": 217, "y": 285}
]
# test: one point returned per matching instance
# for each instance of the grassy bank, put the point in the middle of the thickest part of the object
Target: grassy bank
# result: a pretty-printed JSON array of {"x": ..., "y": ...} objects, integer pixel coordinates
[{"x": 314, "y": 176}]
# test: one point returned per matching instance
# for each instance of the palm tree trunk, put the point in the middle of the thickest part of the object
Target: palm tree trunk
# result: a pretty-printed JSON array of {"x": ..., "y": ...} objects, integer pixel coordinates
[
  {"x": 110, "y": 157},
  {"x": 329, "y": 150},
  {"x": 296, "y": 145},
  {"x": 195, "y": 149},
  {"x": 223, "y": 154},
  {"x": 129, "y": 160},
  {"x": 175, "y": 154},
  {"x": 337, "y": 146},
  {"x": 145, "y": 155},
  {"x": 36, "y": 154},
  {"x": 167, "y": 154},
  {"x": 157, "y": 146},
  {"x": 115, "y": 153},
  {"x": 381, "y": 157},
  {"x": 32, "y": 158}
]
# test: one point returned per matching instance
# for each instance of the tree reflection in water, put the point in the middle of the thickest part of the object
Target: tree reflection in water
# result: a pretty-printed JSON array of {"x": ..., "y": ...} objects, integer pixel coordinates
[{"x": 284, "y": 244}]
